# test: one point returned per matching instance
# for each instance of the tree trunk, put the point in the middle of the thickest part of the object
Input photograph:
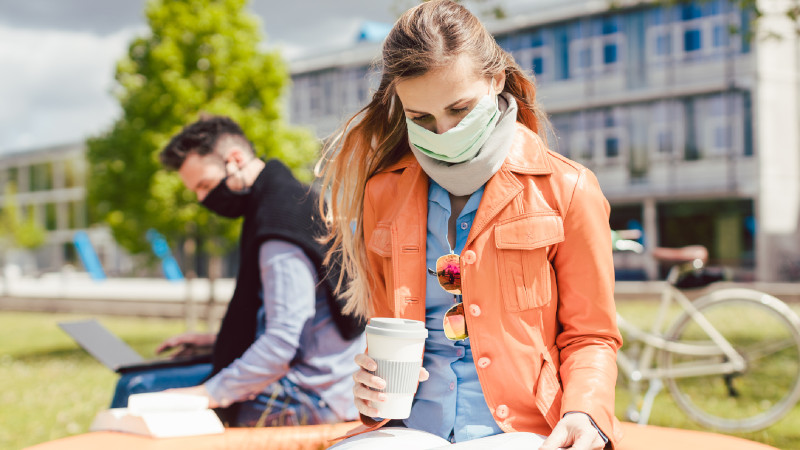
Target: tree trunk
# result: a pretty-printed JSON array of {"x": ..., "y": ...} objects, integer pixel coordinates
[
  {"x": 189, "y": 310},
  {"x": 214, "y": 272}
]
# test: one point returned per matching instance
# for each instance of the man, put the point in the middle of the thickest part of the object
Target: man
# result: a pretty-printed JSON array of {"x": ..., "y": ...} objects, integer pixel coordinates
[{"x": 284, "y": 352}]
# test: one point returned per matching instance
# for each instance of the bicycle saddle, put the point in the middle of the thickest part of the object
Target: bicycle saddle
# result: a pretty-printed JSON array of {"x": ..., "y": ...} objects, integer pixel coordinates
[{"x": 681, "y": 254}]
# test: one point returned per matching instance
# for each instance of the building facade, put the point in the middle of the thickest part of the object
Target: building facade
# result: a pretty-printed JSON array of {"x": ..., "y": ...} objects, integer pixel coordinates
[
  {"x": 51, "y": 186},
  {"x": 689, "y": 121}
]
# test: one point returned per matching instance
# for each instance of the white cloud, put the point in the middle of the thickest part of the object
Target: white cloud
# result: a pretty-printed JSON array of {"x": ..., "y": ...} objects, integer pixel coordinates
[{"x": 55, "y": 85}]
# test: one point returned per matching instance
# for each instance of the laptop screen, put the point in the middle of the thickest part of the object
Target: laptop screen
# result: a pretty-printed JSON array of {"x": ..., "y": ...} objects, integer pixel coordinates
[{"x": 101, "y": 343}]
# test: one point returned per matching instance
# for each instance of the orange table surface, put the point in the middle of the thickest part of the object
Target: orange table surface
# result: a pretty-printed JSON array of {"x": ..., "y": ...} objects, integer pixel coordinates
[{"x": 637, "y": 437}]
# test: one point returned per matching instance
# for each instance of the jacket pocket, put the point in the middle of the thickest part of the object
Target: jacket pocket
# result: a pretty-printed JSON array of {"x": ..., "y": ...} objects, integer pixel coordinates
[
  {"x": 522, "y": 258},
  {"x": 548, "y": 388}
]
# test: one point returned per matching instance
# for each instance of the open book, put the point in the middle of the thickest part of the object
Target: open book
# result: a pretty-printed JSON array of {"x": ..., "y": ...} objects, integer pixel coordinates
[
  {"x": 422, "y": 440},
  {"x": 160, "y": 414}
]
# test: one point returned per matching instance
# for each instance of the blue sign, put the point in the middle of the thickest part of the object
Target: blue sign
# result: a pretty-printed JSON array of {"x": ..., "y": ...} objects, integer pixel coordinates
[
  {"x": 169, "y": 266},
  {"x": 88, "y": 256}
]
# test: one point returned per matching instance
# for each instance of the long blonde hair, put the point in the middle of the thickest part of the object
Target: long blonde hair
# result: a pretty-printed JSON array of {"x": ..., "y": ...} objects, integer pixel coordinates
[{"x": 425, "y": 38}]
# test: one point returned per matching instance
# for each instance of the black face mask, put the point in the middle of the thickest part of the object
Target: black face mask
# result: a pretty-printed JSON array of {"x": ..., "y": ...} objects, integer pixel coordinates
[{"x": 225, "y": 202}]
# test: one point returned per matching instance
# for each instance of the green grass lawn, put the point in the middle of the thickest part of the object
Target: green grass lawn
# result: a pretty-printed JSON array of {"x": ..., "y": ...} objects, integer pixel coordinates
[{"x": 53, "y": 389}]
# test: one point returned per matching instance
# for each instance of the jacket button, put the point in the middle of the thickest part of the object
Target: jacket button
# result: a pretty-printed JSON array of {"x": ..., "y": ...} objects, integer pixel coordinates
[
  {"x": 484, "y": 362},
  {"x": 475, "y": 310},
  {"x": 469, "y": 257},
  {"x": 501, "y": 411}
]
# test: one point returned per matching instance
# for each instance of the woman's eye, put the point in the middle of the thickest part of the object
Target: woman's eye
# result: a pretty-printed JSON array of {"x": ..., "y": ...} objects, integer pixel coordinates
[
  {"x": 425, "y": 118},
  {"x": 460, "y": 110}
]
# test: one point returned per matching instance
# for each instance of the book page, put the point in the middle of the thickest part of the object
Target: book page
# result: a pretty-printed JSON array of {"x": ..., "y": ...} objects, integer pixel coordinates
[{"x": 505, "y": 441}]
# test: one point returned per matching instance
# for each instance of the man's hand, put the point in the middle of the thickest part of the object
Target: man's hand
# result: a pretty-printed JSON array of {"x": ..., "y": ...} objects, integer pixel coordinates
[
  {"x": 574, "y": 431},
  {"x": 199, "y": 390},
  {"x": 188, "y": 344}
]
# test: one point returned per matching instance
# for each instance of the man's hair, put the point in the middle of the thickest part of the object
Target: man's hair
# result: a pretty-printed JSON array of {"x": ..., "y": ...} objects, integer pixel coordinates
[{"x": 202, "y": 138}]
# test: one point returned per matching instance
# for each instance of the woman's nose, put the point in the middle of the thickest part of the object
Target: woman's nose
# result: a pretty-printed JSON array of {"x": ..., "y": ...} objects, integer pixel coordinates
[{"x": 444, "y": 125}]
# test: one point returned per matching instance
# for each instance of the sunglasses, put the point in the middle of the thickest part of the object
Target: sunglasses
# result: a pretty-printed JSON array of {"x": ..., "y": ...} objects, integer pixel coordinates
[{"x": 448, "y": 273}]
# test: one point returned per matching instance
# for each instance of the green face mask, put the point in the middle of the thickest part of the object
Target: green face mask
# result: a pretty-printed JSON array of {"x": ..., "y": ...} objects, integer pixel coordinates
[{"x": 462, "y": 142}]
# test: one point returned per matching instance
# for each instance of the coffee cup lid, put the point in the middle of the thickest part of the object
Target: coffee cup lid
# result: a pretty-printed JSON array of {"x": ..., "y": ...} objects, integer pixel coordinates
[{"x": 398, "y": 328}]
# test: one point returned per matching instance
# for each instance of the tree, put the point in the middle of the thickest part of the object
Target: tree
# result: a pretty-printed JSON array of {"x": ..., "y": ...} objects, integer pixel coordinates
[
  {"x": 16, "y": 231},
  {"x": 201, "y": 56}
]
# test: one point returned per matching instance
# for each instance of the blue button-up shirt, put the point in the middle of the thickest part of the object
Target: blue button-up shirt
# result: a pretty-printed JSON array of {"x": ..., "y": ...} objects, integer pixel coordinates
[
  {"x": 296, "y": 337},
  {"x": 450, "y": 404}
]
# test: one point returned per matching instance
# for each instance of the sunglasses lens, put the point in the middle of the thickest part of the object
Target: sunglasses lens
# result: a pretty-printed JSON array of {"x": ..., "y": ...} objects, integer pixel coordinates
[
  {"x": 448, "y": 271},
  {"x": 455, "y": 324}
]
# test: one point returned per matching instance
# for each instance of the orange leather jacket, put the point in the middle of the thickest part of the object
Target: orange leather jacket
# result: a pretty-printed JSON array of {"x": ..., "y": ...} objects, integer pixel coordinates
[{"x": 537, "y": 282}]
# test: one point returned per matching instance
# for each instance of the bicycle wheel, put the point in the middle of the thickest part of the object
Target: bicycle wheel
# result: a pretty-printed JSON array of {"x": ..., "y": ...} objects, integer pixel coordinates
[{"x": 766, "y": 333}]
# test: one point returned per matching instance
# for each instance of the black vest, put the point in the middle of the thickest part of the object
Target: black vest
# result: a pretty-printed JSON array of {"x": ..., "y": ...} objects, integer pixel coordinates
[{"x": 279, "y": 207}]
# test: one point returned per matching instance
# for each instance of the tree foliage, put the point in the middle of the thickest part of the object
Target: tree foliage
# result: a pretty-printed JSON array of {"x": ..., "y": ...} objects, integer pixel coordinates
[
  {"x": 18, "y": 231},
  {"x": 200, "y": 57}
]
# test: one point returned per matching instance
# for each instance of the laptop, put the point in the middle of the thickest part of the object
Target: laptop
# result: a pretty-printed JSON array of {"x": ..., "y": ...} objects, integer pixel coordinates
[{"x": 115, "y": 354}]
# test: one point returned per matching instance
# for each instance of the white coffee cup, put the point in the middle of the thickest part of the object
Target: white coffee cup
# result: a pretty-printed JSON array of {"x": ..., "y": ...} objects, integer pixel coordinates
[{"x": 396, "y": 345}]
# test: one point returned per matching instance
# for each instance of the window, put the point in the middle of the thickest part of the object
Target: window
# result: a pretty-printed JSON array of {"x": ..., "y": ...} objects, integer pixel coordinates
[
  {"x": 538, "y": 65},
  {"x": 610, "y": 25},
  {"x": 536, "y": 55},
  {"x": 747, "y": 131},
  {"x": 612, "y": 135},
  {"x": 664, "y": 142},
  {"x": 698, "y": 30},
  {"x": 721, "y": 36},
  {"x": 610, "y": 53},
  {"x": 585, "y": 58},
  {"x": 583, "y": 146},
  {"x": 665, "y": 129},
  {"x": 315, "y": 96},
  {"x": 663, "y": 44},
  {"x": 77, "y": 216},
  {"x": 598, "y": 46},
  {"x": 691, "y": 40},
  {"x": 598, "y": 136},
  {"x": 691, "y": 11},
  {"x": 329, "y": 93},
  {"x": 50, "y": 217},
  {"x": 612, "y": 147},
  {"x": 722, "y": 136},
  {"x": 558, "y": 136},
  {"x": 537, "y": 39},
  {"x": 722, "y": 116}
]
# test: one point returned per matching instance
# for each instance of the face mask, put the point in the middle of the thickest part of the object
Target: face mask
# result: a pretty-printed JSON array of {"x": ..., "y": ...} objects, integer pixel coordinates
[
  {"x": 225, "y": 202},
  {"x": 462, "y": 142}
]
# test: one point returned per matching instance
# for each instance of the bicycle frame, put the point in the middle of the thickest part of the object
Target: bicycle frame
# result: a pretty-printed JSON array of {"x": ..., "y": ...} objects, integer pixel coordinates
[{"x": 643, "y": 368}]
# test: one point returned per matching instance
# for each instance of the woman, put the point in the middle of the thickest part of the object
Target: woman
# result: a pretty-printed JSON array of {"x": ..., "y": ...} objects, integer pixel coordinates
[{"x": 447, "y": 159}]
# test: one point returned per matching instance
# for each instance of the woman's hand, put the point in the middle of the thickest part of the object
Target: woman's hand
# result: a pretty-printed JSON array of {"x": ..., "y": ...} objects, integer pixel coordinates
[
  {"x": 366, "y": 383},
  {"x": 574, "y": 431},
  {"x": 189, "y": 343}
]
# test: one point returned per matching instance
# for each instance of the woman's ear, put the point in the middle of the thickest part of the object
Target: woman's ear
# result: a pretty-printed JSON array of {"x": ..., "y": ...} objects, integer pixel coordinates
[{"x": 499, "y": 82}]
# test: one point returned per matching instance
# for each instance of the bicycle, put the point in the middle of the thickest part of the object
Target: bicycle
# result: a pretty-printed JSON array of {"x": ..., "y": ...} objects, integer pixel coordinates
[{"x": 730, "y": 360}]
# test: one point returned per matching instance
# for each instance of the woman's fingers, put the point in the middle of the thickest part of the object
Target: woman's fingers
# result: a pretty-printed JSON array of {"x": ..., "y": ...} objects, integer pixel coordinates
[
  {"x": 365, "y": 392},
  {"x": 365, "y": 362},
  {"x": 423, "y": 374},
  {"x": 369, "y": 380}
]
